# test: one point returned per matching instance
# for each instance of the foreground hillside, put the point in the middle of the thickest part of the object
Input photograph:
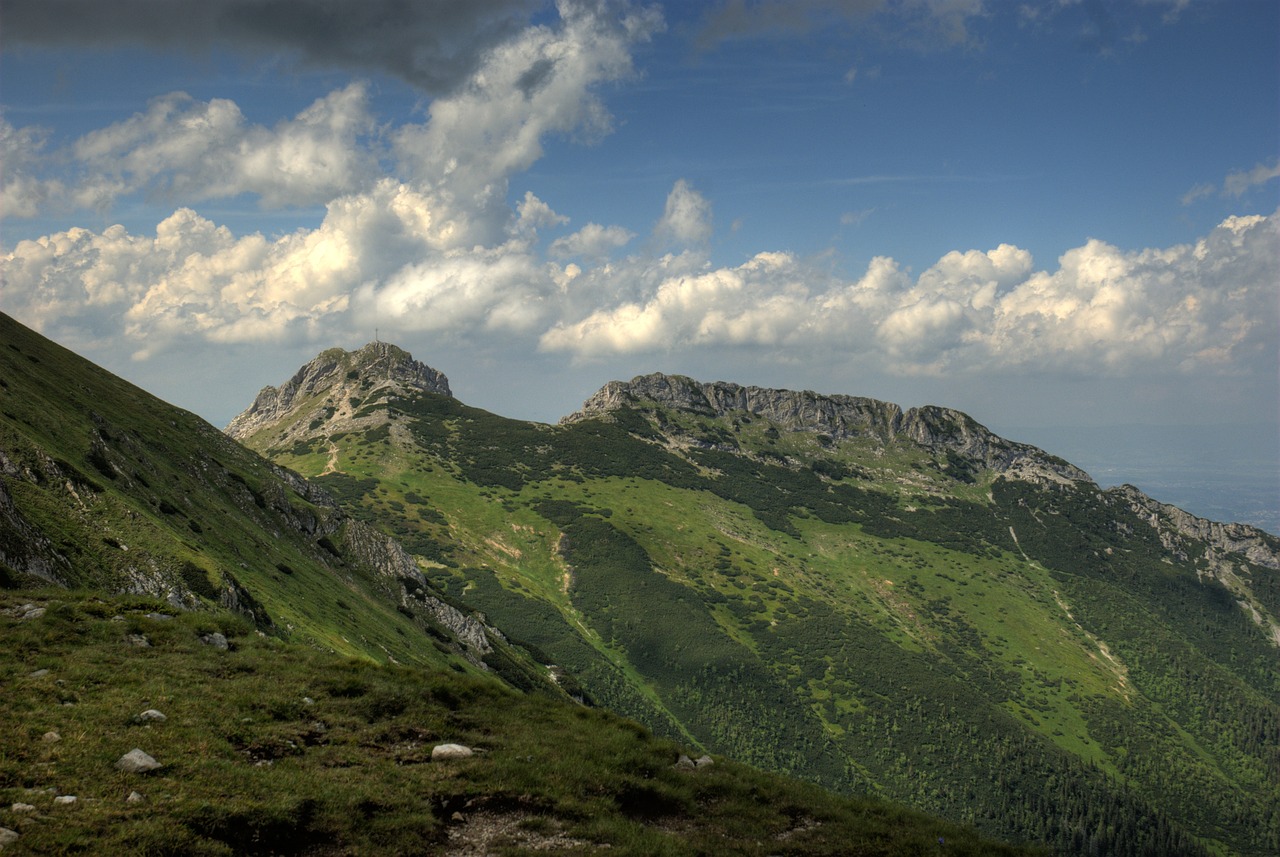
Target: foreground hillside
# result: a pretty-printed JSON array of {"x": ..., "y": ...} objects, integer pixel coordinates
[
  {"x": 267, "y": 747},
  {"x": 104, "y": 486},
  {"x": 879, "y": 601}
]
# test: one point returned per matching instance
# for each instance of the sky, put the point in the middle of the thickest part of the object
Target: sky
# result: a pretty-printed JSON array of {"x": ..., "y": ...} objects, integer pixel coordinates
[{"x": 1060, "y": 217}]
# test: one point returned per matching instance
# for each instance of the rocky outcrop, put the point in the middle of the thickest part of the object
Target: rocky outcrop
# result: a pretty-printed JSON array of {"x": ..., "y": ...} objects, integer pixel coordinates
[
  {"x": 1233, "y": 554},
  {"x": 837, "y": 416},
  {"x": 326, "y": 387},
  {"x": 388, "y": 559},
  {"x": 1177, "y": 527}
]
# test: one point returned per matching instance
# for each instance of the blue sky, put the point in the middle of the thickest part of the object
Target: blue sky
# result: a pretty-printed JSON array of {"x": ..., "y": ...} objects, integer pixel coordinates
[{"x": 1056, "y": 216}]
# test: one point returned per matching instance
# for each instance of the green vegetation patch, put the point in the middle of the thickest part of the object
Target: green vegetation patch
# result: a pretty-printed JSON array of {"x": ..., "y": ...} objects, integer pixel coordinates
[{"x": 267, "y": 747}]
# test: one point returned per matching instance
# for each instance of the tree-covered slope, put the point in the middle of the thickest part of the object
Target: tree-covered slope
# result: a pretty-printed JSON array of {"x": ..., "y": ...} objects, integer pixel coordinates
[{"x": 884, "y": 602}]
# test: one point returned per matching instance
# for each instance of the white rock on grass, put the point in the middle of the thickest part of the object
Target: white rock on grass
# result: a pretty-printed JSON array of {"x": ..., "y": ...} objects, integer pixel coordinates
[
  {"x": 137, "y": 762},
  {"x": 152, "y": 714},
  {"x": 65, "y": 799},
  {"x": 7, "y": 836},
  {"x": 449, "y": 751}
]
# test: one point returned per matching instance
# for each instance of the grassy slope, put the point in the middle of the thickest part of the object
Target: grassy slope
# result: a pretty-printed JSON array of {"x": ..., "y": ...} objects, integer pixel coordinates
[
  {"x": 133, "y": 494},
  {"x": 892, "y": 638},
  {"x": 271, "y": 747}
]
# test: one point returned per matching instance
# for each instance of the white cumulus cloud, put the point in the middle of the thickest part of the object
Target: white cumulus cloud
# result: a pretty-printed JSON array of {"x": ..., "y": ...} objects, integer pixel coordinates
[
  {"x": 686, "y": 219},
  {"x": 1206, "y": 306},
  {"x": 539, "y": 83},
  {"x": 593, "y": 241},
  {"x": 206, "y": 150}
]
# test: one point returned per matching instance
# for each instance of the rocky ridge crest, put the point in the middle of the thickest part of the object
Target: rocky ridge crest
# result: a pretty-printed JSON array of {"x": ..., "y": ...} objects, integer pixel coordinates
[
  {"x": 838, "y": 416},
  {"x": 332, "y": 388}
]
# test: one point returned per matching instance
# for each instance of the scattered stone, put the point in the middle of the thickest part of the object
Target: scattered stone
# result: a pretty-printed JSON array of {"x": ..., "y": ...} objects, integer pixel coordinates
[
  {"x": 684, "y": 763},
  {"x": 25, "y": 611},
  {"x": 65, "y": 800},
  {"x": 51, "y": 737},
  {"x": 703, "y": 761},
  {"x": 160, "y": 617},
  {"x": 449, "y": 751},
  {"x": 306, "y": 700},
  {"x": 152, "y": 714},
  {"x": 7, "y": 836},
  {"x": 458, "y": 817},
  {"x": 137, "y": 762},
  {"x": 22, "y": 807},
  {"x": 139, "y": 640},
  {"x": 134, "y": 797},
  {"x": 216, "y": 639},
  {"x": 38, "y": 673}
]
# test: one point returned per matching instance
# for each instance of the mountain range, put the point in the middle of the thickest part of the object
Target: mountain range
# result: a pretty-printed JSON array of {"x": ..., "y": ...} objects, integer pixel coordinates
[{"x": 888, "y": 604}]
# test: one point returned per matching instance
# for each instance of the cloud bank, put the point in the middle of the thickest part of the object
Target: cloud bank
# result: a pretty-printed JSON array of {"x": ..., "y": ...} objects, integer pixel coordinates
[
  {"x": 1207, "y": 306},
  {"x": 381, "y": 259}
]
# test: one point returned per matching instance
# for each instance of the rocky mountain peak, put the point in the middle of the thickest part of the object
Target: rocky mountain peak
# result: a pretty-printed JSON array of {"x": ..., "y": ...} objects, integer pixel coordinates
[
  {"x": 838, "y": 416},
  {"x": 332, "y": 385}
]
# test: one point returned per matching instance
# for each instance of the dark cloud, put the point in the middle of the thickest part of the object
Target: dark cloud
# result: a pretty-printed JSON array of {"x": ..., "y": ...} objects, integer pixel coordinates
[{"x": 433, "y": 44}]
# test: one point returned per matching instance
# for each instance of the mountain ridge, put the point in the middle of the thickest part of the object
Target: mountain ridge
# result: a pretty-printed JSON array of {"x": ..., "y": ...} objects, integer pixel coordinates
[
  {"x": 345, "y": 388},
  {"x": 871, "y": 598},
  {"x": 839, "y": 416}
]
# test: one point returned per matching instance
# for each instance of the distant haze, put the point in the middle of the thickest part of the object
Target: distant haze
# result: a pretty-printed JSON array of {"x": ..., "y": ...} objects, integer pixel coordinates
[{"x": 1223, "y": 473}]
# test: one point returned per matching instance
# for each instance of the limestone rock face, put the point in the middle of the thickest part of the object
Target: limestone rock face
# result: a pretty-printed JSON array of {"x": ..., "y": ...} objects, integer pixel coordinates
[
  {"x": 840, "y": 417},
  {"x": 333, "y": 386},
  {"x": 1231, "y": 551}
]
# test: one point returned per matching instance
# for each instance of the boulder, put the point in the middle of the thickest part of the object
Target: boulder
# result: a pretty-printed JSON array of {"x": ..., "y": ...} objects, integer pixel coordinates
[
  {"x": 217, "y": 640},
  {"x": 443, "y": 752},
  {"x": 152, "y": 714},
  {"x": 137, "y": 762}
]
